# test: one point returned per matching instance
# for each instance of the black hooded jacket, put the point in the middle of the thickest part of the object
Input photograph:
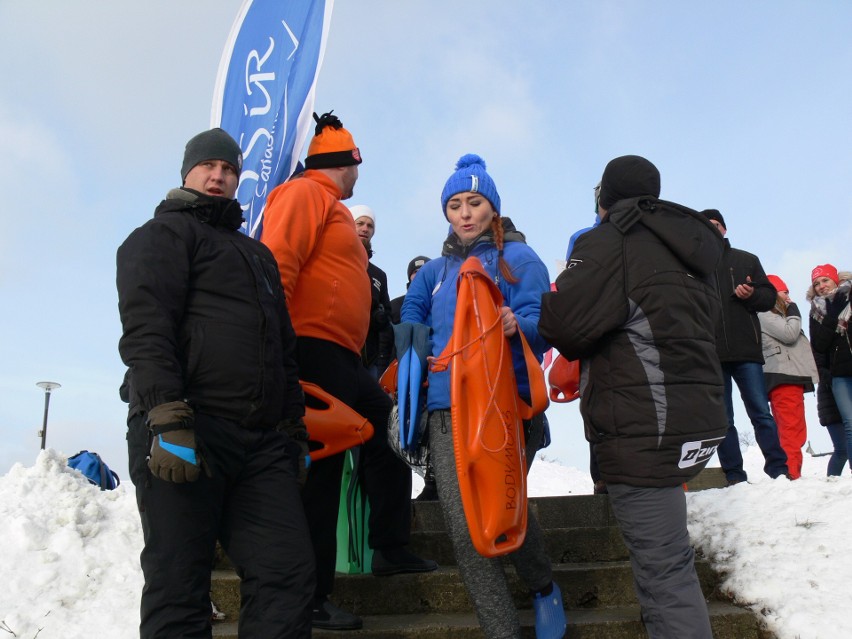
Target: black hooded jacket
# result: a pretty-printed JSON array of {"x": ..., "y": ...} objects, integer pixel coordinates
[
  {"x": 826, "y": 337},
  {"x": 827, "y": 410},
  {"x": 637, "y": 306},
  {"x": 738, "y": 335},
  {"x": 204, "y": 317},
  {"x": 379, "y": 343}
]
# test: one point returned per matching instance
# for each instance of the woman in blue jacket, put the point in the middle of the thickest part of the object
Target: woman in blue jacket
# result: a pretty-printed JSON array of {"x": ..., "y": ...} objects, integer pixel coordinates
[{"x": 472, "y": 206}]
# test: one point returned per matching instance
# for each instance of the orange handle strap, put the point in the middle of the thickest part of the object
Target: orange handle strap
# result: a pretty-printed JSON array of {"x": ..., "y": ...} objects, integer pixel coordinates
[{"x": 538, "y": 387}]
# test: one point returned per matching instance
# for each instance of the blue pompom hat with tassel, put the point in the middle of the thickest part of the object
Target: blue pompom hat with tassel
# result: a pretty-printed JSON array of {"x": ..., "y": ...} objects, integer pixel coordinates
[{"x": 470, "y": 176}]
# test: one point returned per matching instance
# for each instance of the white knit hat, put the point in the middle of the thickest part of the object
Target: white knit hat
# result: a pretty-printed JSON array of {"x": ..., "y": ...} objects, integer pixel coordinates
[{"x": 362, "y": 210}]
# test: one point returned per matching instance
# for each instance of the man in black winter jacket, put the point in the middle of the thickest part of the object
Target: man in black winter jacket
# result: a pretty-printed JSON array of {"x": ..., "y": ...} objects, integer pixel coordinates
[
  {"x": 216, "y": 441},
  {"x": 744, "y": 291},
  {"x": 635, "y": 304},
  {"x": 378, "y": 347}
]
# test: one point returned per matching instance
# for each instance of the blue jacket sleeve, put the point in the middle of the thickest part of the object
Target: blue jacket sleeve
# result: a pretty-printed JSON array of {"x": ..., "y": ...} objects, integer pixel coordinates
[
  {"x": 524, "y": 298},
  {"x": 590, "y": 300},
  {"x": 418, "y": 303}
]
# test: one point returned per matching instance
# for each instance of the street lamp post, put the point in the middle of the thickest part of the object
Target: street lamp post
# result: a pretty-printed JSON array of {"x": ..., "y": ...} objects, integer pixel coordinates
[{"x": 47, "y": 386}]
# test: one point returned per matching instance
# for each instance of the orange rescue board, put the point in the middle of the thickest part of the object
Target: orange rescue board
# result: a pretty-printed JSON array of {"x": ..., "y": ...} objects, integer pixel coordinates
[
  {"x": 487, "y": 415},
  {"x": 331, "y": 423}
]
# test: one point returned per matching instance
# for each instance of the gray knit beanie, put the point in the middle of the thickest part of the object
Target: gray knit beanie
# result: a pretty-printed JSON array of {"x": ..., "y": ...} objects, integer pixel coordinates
[{"x": 214, "y": 144}]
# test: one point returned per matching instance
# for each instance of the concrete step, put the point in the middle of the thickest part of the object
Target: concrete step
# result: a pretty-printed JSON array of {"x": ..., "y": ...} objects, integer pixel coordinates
[
  {"x": 729, "y": 622},
  {"x": 708, "y": 478},
  {"x": 590, "y": 565},
  {"x": 583, "y": 585},
  {"x": 564, "y": 545},
  {"x": 567, "y": 511},
  {"x": 572, "y": 511},
  {"x": 577, "y": 527}
]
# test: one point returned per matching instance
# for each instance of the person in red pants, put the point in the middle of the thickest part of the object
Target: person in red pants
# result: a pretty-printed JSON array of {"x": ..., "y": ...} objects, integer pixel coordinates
[{"x": 790, "y": 371}]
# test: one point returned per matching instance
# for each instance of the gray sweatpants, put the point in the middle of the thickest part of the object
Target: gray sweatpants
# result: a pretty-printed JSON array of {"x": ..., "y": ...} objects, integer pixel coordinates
[
  {"x": 484, "y": 578},
  {"x": 653, "y": 524}
]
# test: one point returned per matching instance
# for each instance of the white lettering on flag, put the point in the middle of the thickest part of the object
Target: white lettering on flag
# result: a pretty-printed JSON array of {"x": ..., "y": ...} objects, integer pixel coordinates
[{"x": 264, "y": 94}]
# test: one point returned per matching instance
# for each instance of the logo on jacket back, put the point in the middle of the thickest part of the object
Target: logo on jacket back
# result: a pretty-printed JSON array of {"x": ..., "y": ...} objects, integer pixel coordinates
[{"x": 695, "y": 453}]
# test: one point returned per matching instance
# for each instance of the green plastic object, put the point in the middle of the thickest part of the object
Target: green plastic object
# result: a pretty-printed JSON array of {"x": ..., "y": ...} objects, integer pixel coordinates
[{"x": 354, "y": 555}]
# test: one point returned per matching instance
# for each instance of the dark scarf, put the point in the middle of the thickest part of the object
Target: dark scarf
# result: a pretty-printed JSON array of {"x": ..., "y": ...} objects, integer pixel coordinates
[
  {"x": 216, "y": 211},
  {"x": 818, "y": 306}
]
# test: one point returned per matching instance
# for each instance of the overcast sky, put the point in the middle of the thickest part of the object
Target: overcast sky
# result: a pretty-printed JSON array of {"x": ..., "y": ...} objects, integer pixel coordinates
[{"x": 744, "y": 107}]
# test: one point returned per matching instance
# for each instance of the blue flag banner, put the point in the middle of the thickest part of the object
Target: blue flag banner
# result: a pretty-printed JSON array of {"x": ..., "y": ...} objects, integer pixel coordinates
[{"x": 264, "y": 95}]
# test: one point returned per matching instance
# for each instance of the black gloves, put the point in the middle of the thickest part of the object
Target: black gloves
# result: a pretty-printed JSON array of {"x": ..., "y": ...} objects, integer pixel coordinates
[
  {"x": 835, "y": 304},
  {"x": 792, "y": 310},
  {"x": 174, "y": 456},
  {"x": 295, "y": 428},
  {"x": 380, "y": 316}
]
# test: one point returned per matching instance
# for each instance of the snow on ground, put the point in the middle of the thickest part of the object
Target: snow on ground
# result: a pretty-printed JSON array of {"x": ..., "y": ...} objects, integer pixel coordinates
[
  {"x": 780, "y": 544},
  {"x": 71, "y": 551},
  {"x": 71, "y": 554}
]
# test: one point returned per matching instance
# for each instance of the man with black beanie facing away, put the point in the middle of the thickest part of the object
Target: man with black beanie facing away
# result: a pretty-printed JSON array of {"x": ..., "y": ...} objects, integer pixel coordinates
[
  {"x": 744, "y": 291},
  {"x": 216, "y": 441},
  {"x": 324, "y": 272},
  {"x": 636, "y": 305}
]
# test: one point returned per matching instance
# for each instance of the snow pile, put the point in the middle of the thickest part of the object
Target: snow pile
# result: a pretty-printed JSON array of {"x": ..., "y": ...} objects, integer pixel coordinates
[
  {"x": 781, "y": 546},
  {"x": 71, "y": 554}
]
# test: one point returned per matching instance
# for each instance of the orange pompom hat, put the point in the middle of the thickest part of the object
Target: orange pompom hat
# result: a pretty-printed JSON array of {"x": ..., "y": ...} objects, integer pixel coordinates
[{"x": 332, "y": 145}]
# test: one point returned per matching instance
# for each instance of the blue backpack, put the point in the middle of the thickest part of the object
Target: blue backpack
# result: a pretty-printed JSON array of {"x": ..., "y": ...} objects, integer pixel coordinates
[{"x": 94, "y": 469}]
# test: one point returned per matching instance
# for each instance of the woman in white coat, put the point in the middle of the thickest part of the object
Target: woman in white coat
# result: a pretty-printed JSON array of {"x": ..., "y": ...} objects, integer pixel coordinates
[{"x": 789, "y": 370}]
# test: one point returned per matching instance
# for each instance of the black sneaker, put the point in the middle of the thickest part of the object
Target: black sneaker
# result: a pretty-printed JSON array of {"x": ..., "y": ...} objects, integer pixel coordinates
[
  {"x": 327, "y": 616},
  {"x": 394, "y": 561}
]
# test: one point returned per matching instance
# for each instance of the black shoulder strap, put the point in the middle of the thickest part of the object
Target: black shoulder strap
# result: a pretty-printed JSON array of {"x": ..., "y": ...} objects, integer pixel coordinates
[{"x": 102, "y": 468}]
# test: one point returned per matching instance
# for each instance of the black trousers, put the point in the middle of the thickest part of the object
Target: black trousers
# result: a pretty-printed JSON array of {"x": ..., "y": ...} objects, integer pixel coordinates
[
  {"x": 251, "y": 504},
  {"x": 385, "y": 478}
]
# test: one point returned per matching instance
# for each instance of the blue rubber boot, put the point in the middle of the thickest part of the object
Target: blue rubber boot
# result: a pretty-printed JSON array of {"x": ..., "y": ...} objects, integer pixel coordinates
[{"x": 549, "y": 614}]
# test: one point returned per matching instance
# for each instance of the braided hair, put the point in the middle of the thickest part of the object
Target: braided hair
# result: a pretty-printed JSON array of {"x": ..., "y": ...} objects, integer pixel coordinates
[{"x": 497, "y": 232}]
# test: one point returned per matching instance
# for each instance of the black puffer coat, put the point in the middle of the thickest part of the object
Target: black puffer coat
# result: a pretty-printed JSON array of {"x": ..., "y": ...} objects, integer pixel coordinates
[
  {"x": 825, "y": 337},
  {"x": 204, "y": 317},
  {"x": 827, "y": 410},
  {"x": 738, "y": 336},
  {"x": 379, "y": 343},
  {"x": 636, "y": 304}
]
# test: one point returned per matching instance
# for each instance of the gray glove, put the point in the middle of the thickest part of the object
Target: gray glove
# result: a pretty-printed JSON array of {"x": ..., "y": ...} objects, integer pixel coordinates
[
  {"x": 298, "y": 446},
  {"x": 174, "y": 452}
]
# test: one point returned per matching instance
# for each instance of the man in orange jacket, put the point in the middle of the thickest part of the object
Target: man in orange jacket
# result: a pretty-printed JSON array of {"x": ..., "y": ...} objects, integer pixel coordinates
[{"x": 324, "y": 272}]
